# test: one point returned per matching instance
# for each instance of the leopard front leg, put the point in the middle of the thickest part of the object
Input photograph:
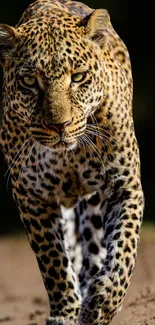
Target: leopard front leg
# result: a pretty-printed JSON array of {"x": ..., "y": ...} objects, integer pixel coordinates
[
  {"x": 43, "y": 223},
  {"x": 91, "y": 234},
  {"x": 122, "y": 216}
]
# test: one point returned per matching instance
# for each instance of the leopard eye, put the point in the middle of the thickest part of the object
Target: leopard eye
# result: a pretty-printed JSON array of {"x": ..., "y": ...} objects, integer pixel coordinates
[
  {"x": 29, "y": 81},
  {"x": 78, "y": 77}
]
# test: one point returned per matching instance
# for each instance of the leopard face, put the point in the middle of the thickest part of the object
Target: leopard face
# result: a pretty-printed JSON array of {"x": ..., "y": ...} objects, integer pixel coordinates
[{"x": 55, "y": 75}]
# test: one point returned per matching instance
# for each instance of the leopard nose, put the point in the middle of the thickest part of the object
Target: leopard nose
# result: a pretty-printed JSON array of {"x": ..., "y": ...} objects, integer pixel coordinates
[{"x": 58, "y": 127}]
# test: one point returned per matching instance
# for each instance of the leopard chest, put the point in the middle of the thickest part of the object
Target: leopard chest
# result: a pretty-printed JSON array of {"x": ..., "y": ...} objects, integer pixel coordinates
[{"x": 65, "y": 179}]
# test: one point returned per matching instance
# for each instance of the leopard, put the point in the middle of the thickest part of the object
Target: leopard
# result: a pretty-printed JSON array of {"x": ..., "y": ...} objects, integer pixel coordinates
[{"x": 69, "y": 141}]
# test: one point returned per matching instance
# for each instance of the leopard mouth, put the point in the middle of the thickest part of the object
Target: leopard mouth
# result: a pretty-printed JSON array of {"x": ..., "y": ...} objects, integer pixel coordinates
[
  {"x": 64, "y": 145},
  {"x": 60, "y": 145}
]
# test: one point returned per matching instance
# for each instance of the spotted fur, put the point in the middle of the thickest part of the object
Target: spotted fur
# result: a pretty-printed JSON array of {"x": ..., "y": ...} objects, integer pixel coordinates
[{"x": 69, "y": 141}]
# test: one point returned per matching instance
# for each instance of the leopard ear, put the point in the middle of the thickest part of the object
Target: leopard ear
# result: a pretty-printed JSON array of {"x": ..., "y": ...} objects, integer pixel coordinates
[
  {"x": 8, "y": 38},
  {"x": 97, "y": 24}
]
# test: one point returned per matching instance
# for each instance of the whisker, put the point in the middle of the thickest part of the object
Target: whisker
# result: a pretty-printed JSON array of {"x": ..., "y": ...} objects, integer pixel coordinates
[
  {"x": 95, "y": 148},
  {"x": 16, "y": 158},
  {"x": 99, "y": 135},
  {"x": 24, "y": 118},
  {"x": 3, "y": 131},
  {"x": 24, "y": 161},
  {"x": 12, "y": 149},
  {"x": 86, "y": 141},
  {"x": 102, "y": 128},
  {"x": 37, "y": 161}
]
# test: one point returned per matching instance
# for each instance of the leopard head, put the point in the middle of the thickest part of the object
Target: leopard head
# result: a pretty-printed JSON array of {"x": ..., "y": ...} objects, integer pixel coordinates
[{"x": 54, "y": 77}]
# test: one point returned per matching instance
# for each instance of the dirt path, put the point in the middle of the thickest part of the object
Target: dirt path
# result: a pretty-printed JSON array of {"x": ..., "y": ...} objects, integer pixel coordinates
[{"x": 23, "y": 299}]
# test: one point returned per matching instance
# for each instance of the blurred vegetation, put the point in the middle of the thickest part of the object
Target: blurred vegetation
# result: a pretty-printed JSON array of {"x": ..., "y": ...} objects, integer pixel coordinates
[{"x": 133, "y": 22}]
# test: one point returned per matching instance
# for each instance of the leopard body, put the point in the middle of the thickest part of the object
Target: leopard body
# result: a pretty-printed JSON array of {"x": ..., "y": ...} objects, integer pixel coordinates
[{"x": 69, "y": 141}]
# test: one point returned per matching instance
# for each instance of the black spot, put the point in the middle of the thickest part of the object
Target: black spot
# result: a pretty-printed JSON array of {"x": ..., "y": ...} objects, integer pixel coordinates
[
  {"x": 137, "y": 230},
  {"x": 110, "y": 157},
  {"x": 121, "y": 271},
  {"x": 92, "y": 303},
  {"x": 46, "y": 223},
  {"x": 87, "y": 233},
  {"x": 94, "y": 164},
  {"x": 35, "y": 246},
  {"x": 113, "y": 171},
  {"x": 49, "y": 236},
  {"x": 118, "y": 184},
  {"x": 59, "y": 247},
  {"x": 94, "y": 270},
  {"x": 117, "y": 235},
  {"x": 70, "y": 299},
  {"x": 93, "y": 248},
  {"x": 96, "y": 221},
  {"x": 92, "y": 289},
  {"x": 52, "y": 272},
  {"x": 115, "y": 284},
  {"x": 68, "y": 51},
  {"x": 94, "y": 200},
  {"x": 120, "y": 243},
  {"x": 45, "y": 248},
  {"x": 133, "y": 242},
  {"x": 47, "y": 187},
  {"x": 65, "y": 261},
  {"x": 53, "y": 216},
  {"x": 129, "y": 225},
  {"x": 127, "y": 249},
  {"x": 21, "y": 190},
  {"x": 122, "y": 281},
  {"x": 92, "y": 183},
  {"x": 115, "y": 302},
  {"x": 133, "y": 206},
  {"x": 63, "y": 274},
  {"x": 45, "y": 259},
  {"x": 56, "y": 262},
  {"x": 86, "y": 174},
  {"x": 53, "y": 253},
  {"x": 82, "y": 160},
  {"x": 106, "y": 310},
  {"x": 116, "y": 268},
  {"x": 38, "y": 238},
  {"x": 126, "y": 286},
  {"x": 125, "y": 217},
  {"x": 127, "y": 261},
  {"x": 70, "y": 284},
  {"x": 53, "y": 179},
  {"x": 67, "y": 185},
  {"x": 54, "y": 205},
  {"x": 114, "y": 293},
  {"x": 41, "y": 266},
  {"x": 127, "y": 234},
  {"x": 59, "y": 306},
  {"x": 134, "y": 217},
  {"x": 126, "y": 172},
  {"x": 50, "y": 283},
  {"x": 62, "y": 286},
  {"x": 109, "y": 115},
  {"x": 118, "y": 255},
  {"x": 68, "y": 43},
  {"x": 125, "y": 195},
  {"x": 122, "y": 160},
  {"x": 96, "y": 66},
  {"x": 86, "y": 263}
]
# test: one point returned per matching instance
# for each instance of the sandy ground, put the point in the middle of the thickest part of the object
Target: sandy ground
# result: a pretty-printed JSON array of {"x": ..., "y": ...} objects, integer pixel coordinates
[{"x": 23, "y": 299}]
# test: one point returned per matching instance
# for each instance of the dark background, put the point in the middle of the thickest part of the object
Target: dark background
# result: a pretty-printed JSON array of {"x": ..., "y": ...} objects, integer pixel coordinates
[{"x": 134, "y": 22}]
